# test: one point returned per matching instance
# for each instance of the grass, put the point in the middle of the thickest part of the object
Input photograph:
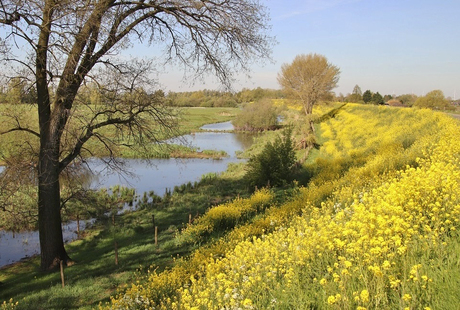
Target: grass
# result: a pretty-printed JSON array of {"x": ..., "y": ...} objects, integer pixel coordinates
[
  {"x": 336, "y": 179},
  {"x": 194, "y": 118},
  {"x": 95, "y": 276}
]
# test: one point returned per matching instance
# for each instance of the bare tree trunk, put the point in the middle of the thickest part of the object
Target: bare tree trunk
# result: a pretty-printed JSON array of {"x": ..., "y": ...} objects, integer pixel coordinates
[
  {"x": 307, "y": 152},
  {"x": 309, "y": 115},
  {"x": 49, "y": 213},
  {"x": 49, "y": 198}
]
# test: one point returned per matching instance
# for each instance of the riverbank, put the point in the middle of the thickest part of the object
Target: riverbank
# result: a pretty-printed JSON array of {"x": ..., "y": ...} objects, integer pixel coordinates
[
  {"x": 152, "y": 176},
  {"x": 96, "y": 276}
]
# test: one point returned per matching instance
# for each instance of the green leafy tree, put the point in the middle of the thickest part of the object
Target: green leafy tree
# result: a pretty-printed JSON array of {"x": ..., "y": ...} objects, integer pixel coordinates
[
  {"x": 407, "y": 99},
  {"x": 387, "y": 98},
  {"x": 377, "y": 98},
  {"x": 309, "y": 78},
  {"x": 68, "y": 43},
  {"x": 258, "y": 116},
  {"x": 274, "y": 165},
  {"x": 433, "y": 100},
  {"x": 16, "y": 91},
  {"x": 367, "y": 96}
]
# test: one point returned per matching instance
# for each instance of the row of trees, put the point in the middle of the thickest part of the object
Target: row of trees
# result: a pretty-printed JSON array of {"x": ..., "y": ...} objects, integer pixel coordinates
[
  {"x": 367, "y": 97},
  {"x": 19, "y": 90},
  {"x": 433, "y": 100},
  {"x": 213, "y": 98}
]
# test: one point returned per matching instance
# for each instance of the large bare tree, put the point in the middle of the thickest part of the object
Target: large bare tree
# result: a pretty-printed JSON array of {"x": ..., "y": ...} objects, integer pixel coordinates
[
  {"x": 61, "y": 44},
  {"x": 308, "y": 79}
]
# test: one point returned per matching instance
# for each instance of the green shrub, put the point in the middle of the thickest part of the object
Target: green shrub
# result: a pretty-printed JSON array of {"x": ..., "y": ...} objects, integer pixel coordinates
[
  {"x": 274, "y": 165},
  {"x": 258, "y": 116}
]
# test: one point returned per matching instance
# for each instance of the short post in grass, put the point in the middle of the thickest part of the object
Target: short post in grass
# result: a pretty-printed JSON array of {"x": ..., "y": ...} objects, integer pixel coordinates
[
  {"x": 61, "y": 265},
  {"x": 78, "y": 226},
  {"x": 190, "y": 218},
  {"x": 156, "y": 235},
  {"x": 116, "y": 253}
]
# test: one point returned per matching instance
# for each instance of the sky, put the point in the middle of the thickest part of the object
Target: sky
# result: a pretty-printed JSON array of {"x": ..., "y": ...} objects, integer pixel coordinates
[{"x": 387, "y": 46}]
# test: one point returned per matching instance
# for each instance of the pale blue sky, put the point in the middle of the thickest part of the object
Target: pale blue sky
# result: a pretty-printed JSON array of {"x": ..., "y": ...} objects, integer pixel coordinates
[{"x": 392, "y": 46}]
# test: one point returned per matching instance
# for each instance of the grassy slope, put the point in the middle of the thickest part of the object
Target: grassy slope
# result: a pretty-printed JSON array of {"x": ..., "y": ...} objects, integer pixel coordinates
[
  {"x": 96, "y": 276},
  {"x": 288, "y": 271}
]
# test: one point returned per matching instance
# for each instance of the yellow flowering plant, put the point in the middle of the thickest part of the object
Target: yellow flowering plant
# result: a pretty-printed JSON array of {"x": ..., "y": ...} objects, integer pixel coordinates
[{"x": 376, "y": 234}]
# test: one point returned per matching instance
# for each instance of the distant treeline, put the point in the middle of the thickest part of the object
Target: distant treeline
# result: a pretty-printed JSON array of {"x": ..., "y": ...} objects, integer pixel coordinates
[
  {"x": 213, "y": 98},
  {"x": 19, "y": 90}
]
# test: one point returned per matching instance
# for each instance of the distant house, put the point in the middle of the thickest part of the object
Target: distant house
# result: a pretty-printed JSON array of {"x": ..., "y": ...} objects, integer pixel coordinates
[{"x": 395, "y": 103}]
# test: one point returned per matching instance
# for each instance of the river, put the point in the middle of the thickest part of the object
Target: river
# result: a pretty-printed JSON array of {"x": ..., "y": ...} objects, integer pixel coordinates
[{"x": 155, "y": 174}]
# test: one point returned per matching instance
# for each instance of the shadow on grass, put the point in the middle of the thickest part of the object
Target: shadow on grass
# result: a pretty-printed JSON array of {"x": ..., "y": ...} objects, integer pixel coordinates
[{"x": 95, "y": 276}]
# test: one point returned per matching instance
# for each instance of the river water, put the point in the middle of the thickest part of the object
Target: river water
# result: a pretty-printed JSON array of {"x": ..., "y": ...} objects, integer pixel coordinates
[{"x": 155, "y": 174}]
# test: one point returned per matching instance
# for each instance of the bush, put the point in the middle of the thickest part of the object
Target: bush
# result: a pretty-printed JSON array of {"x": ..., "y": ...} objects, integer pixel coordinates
[
  {"x": 274, "y": 165},
  {"x": 433, "y": 100},
  {"x": 258, "y": 116}
]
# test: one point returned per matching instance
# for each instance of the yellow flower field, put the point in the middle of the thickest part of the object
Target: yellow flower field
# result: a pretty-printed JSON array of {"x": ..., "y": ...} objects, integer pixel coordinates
[{"x": 380, "y": 233}]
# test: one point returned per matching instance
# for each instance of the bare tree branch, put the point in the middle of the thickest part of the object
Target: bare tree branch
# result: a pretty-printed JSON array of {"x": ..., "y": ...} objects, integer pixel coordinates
[
  {"x": 21, "y": 129},
  {"x": 72, "y": 40}
]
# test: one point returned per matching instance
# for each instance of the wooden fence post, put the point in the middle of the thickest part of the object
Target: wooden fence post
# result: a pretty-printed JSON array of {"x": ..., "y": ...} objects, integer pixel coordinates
[
  {"x": 61, "y": 265},
  {"x": 190, "y": 218},
  {"x": 116, "y": 253},
  {"x": 78, "y": 226}
]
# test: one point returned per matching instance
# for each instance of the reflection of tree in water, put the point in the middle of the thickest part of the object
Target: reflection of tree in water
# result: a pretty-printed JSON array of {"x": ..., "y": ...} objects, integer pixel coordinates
[
  {"x": 18, "y": 194},
  {"x": 80, "y": 201},
  {"x": 245, "y": 139}
]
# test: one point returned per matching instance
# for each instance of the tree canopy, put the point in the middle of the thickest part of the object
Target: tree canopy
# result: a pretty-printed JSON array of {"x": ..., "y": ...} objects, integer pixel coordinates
[
  {"x": 433, "y": 100},
  {"x": 356, "y": 95},
  {"x": 257, "y": 116},
  {"x": 309, "y": 78},
  {"x": 377, "y": 98},
  {"x": 61, "y": 45},
  {"x": 367, "y": 96}
]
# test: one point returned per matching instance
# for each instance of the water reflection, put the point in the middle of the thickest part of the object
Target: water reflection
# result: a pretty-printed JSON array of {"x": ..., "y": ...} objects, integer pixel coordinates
[
  {"x": 156, "y": 174},
  {"x": 16, "y": 246},
  {"x": 218, "y": 126}
]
